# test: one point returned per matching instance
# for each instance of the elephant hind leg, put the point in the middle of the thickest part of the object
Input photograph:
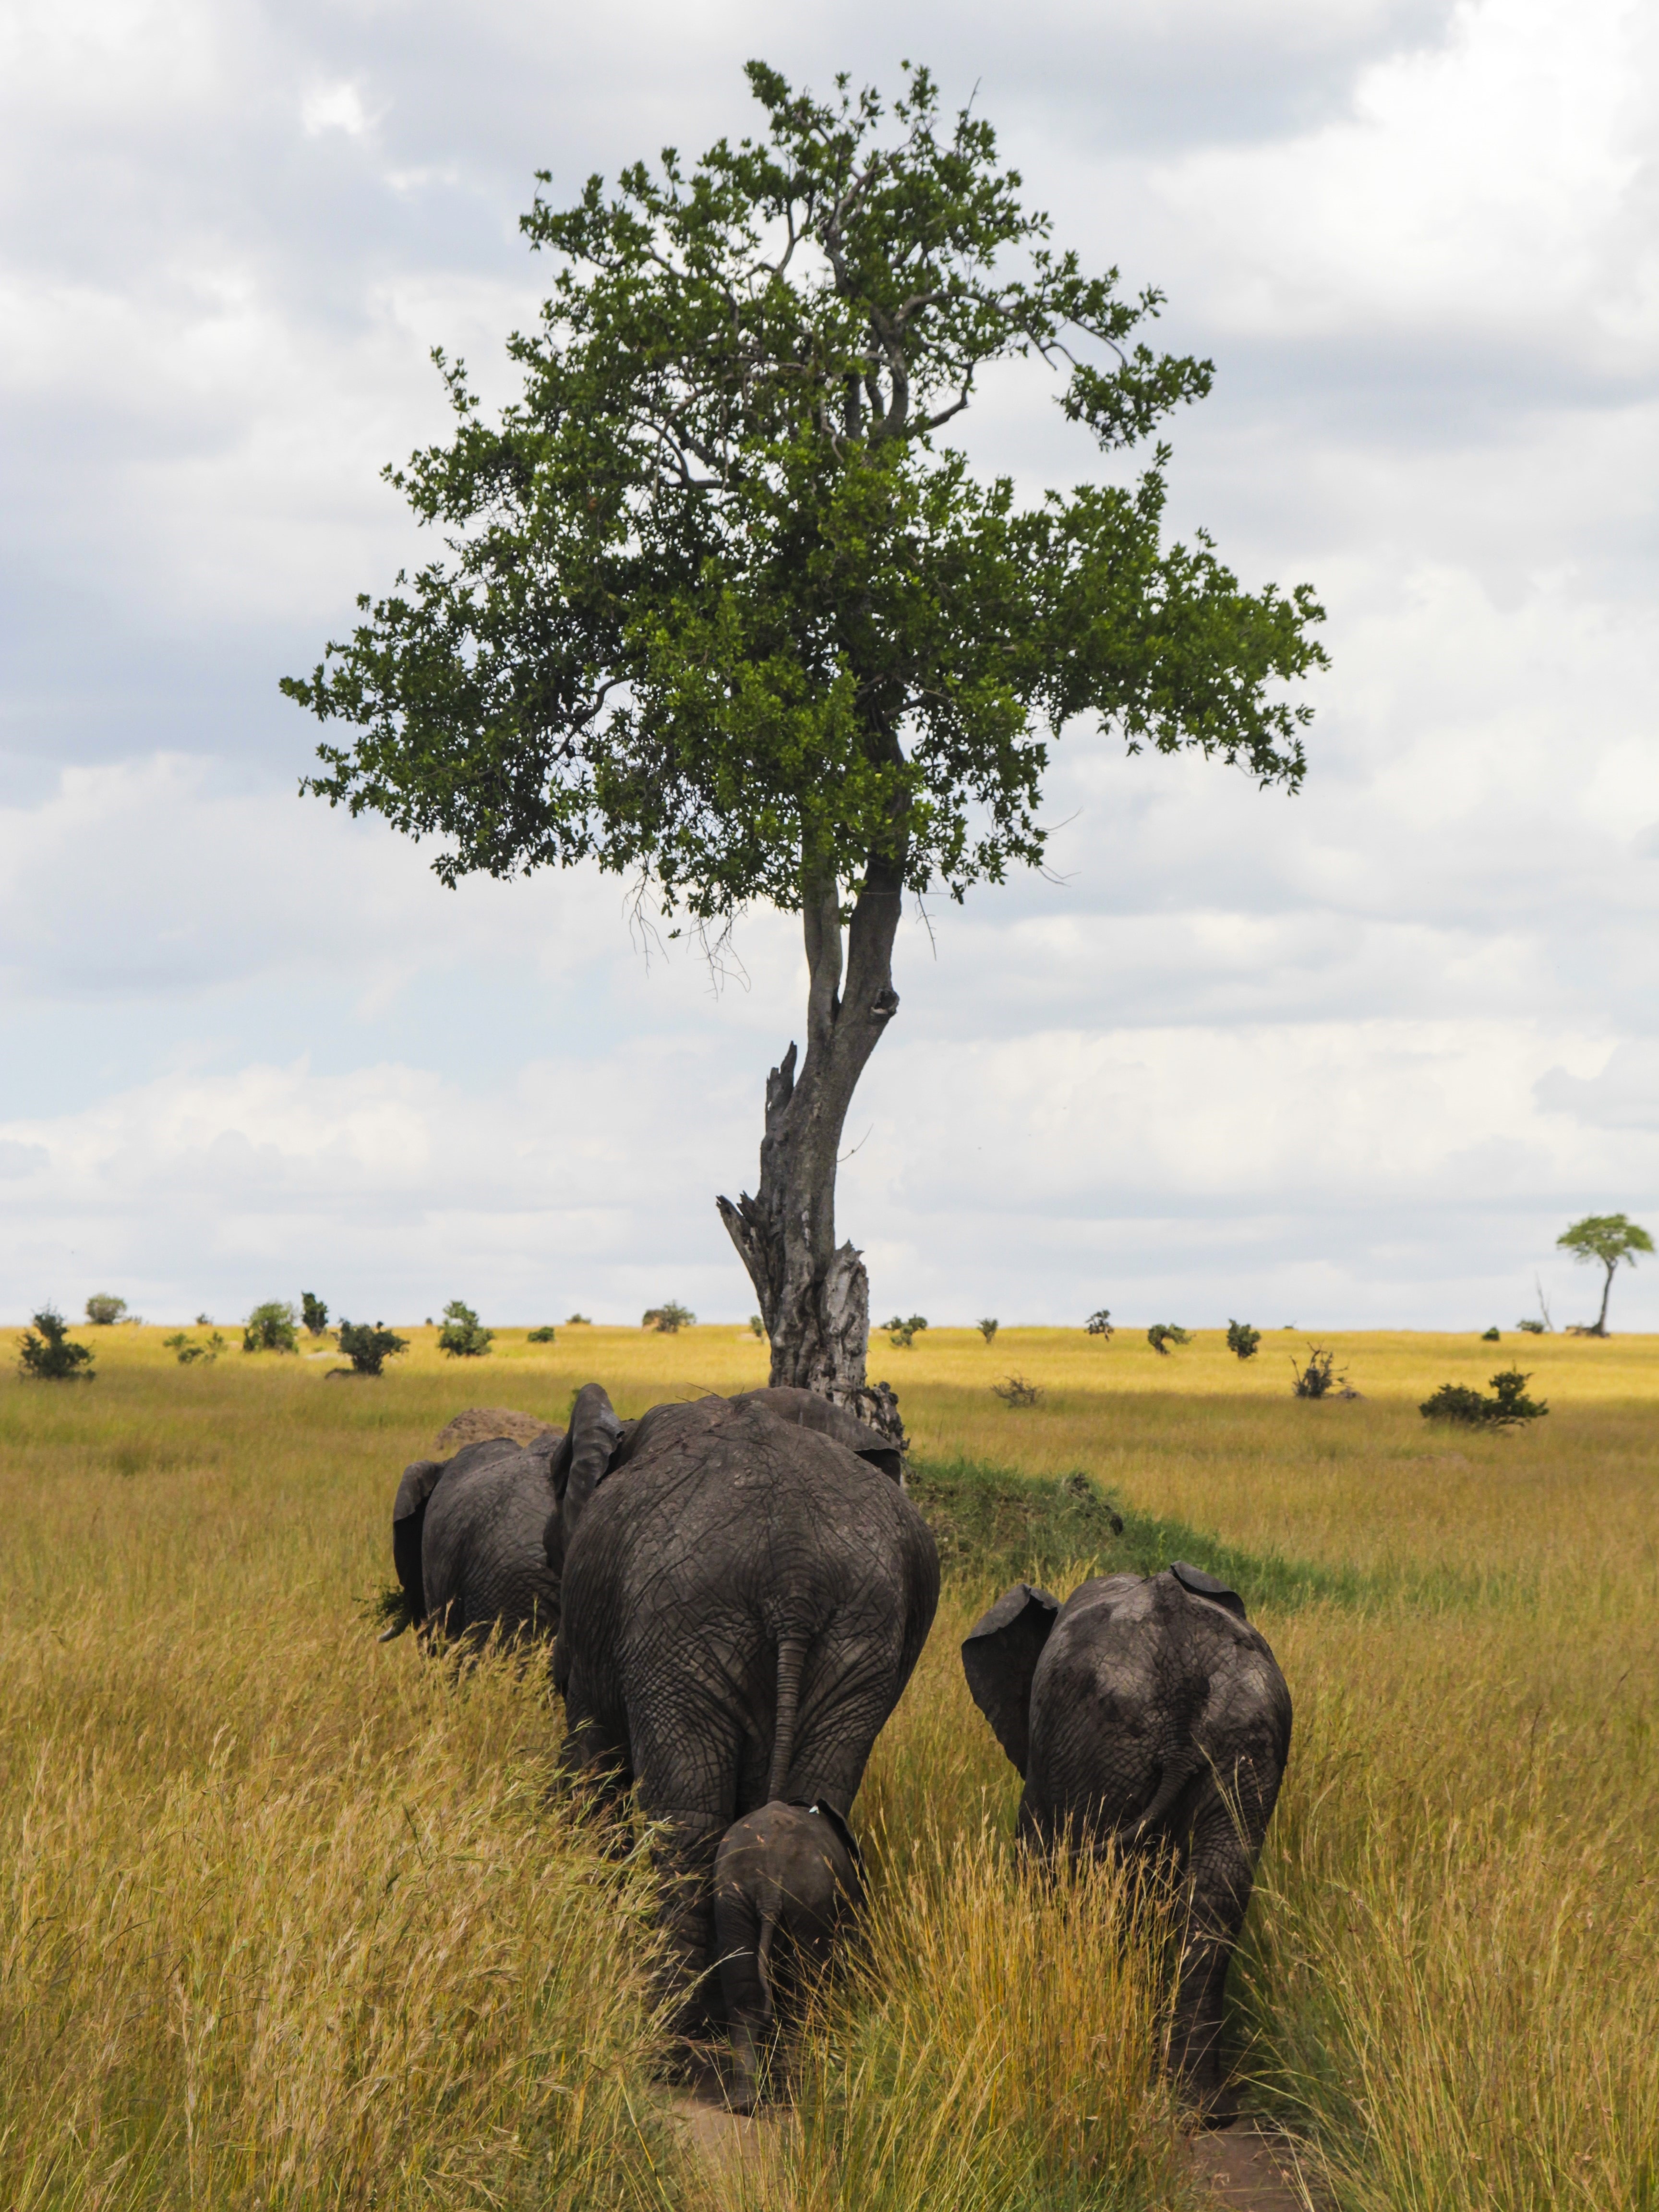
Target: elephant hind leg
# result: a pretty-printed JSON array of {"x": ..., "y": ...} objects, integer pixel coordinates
[
  {"x": 1220, "y": 1873},
  {"x": 686, "y": 1869}
]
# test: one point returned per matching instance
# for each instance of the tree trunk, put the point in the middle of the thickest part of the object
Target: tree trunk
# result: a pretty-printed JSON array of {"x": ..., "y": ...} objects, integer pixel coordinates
[
  {"x": 1607, "y": 1292},
  {"x": 814, "y": 1298}
]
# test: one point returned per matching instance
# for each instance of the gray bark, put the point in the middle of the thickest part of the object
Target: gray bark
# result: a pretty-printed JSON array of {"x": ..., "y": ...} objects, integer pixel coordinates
[{"x": 814, "y": 1295}]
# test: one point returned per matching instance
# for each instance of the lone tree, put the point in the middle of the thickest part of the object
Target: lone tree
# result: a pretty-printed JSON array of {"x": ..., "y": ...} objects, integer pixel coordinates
[
  {"x": 720, "y": 610},
  {"x": 1608, "y": 1239}
]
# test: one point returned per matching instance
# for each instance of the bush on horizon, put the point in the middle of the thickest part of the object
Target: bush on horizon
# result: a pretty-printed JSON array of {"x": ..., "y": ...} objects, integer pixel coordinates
[
  {"x": 48, "y": 1356},
  {"x": 463, "y": 1335}
]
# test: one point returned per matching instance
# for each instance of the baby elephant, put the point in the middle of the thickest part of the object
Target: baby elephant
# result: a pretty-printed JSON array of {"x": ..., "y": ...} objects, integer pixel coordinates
[
  {"x": 1150, "y": 1712},
  {"x": 786, "y": 1884}
]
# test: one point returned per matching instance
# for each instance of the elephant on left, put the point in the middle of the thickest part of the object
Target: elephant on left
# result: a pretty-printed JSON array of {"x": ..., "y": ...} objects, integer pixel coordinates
[{"x": 470, "y": 1534}]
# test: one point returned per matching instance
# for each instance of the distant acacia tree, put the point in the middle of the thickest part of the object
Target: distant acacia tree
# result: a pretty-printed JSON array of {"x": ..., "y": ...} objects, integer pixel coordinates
[
  {"x": 1607, "y": 1240},
  {"x": 103, "y": 1311},
  {"x": 721, "y": 612}
]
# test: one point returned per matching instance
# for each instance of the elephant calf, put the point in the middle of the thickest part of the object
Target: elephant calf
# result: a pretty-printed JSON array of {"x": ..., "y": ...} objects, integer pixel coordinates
[
  {"x": 786, "y": 1883},
  {"x": 1150, "y": 1713}
]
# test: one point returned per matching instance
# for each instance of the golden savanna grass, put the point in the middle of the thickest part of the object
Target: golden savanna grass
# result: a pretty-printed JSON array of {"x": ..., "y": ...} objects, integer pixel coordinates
[{"x": 290, "y": 1918}]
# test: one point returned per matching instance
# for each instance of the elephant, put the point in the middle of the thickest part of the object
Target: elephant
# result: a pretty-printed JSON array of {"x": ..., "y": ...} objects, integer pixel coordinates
[
  {"x": 744, "y": 1597},
  {"x": 469, "y": 1534},
  {"x": 1150, "y": 1713},
  {"x": 787, "y": 1882}
]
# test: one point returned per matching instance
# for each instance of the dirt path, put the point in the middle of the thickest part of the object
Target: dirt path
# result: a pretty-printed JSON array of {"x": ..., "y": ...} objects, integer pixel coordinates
[
  {"x": 724, "y": 2141},
  {"x": 1253, "y": 2166}
]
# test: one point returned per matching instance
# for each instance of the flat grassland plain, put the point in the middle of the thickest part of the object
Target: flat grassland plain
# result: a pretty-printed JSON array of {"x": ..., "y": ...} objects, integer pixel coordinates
[{"x": 291, "y": 1919}]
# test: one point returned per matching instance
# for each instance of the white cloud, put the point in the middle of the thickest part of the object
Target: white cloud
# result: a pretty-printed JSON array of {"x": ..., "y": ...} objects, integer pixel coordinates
[{"x": 333, "y": 107}]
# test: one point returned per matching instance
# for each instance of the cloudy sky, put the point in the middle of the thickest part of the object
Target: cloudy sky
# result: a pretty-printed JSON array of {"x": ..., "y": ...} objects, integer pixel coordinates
[{"x": 1349, "y": 1059}]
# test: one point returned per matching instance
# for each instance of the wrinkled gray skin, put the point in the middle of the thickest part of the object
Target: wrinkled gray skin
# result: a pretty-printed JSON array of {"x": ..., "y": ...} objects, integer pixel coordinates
[
  {"x": 469, "y": 1534},
  {"x": 743, "y": 1600},
  {"x": 786, "y": 1886},
  {"x": 1150, "y": 1712}
]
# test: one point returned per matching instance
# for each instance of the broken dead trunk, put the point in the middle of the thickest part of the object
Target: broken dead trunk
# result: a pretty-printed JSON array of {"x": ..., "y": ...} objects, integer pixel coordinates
[{"x": 814, "y": 1295}]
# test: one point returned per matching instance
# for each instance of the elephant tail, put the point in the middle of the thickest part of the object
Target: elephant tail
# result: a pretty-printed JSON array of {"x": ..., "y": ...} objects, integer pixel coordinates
[
  {"x": 792, "y": 1657},
  {"x": 763, "y": 1953}
]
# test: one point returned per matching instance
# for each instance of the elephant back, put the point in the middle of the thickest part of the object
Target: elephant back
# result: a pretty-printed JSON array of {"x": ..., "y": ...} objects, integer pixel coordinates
[
  {"x": 723, "y": 1490},
  {"x": 805, "y": 1409}
]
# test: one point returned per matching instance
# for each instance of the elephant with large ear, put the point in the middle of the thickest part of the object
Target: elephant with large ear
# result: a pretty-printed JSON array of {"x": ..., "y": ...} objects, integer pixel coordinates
[
  {"x": 743, "y": 1600},
  {"x": 1151, "y": 1713},
  {"x": 787, "y": 1883},
  {"x": 470, "y": 1534}
]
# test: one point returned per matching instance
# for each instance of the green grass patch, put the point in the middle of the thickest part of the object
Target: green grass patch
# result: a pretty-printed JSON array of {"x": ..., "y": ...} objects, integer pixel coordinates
[{"x": 994, "y": 1524}]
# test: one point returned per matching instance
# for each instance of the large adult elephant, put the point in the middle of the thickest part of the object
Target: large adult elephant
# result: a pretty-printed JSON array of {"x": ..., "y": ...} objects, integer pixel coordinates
[
  {"x": 469, "y": 1534},
  {"x": 744, "y": 1597},
  {"x": 1151, "y": 1713}
]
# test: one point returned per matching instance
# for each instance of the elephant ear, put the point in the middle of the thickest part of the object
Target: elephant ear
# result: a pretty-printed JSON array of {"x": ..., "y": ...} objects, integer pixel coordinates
[
  {"x": 593, "y": 1435},
  {"x": 999, "y": 1655},
  {"x": 1203, "y": 1585},
  {"x": 828, "y": 1814},
  {"x": 408, "y": 1525}
]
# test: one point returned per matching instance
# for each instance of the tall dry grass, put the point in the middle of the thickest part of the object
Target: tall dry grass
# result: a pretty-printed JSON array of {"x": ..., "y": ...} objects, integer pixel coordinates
[{"x": 289, "y": 1918}]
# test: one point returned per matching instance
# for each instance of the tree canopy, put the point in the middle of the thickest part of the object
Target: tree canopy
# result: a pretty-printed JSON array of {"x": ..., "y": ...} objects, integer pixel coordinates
[
  {"x": 717, "y": 607},
  {"x": 1607, "y": 1239}
]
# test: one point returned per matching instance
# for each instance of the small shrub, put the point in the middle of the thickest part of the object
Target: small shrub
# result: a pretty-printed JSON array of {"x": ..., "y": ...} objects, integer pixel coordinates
[
  {"x": 49, "y": 1356},
  {"x": 987, "y": 1329},
  {"x": 463, "y": 1335},
  {"x": 103, "y": 1311},
  {"x": 1100, "y": 1324},
  {"x": 1491, "y": 1336},
  {"x": 313, "y": 1314},
  {"x": 577, "y": 1321},
  {"x": 1242, "y": 1339},
  {"x": 1162, "y": 1334},
  {"x": 368, "y": 1349},
  {"x": 1507, "y": 1405},
  {"x": 1015, "y": 1390},
  {"x": 668, "y": 1320},
  {"x": 270, "y": 1328},
  {"x": 1530, "y": 1328},
  {"x": 756, "y": 1326},
  {"x": 902, "y": 1334},
  {"x": 188, "y": 1351},
  {"x": 546, "y": 1334},
  {"x": 1320, "y": 1378},
  {"x": 205, "y": 1320}
]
